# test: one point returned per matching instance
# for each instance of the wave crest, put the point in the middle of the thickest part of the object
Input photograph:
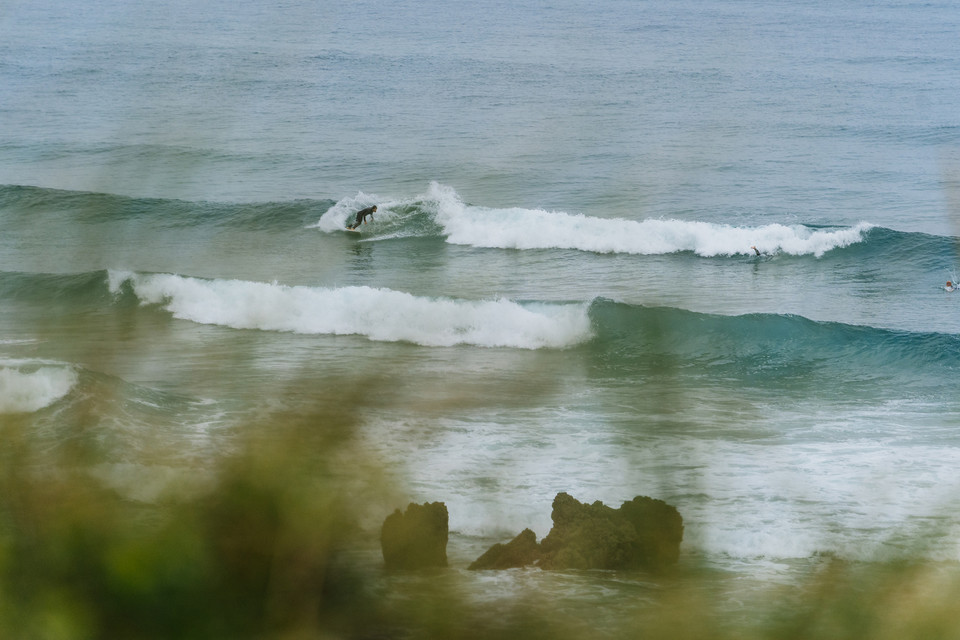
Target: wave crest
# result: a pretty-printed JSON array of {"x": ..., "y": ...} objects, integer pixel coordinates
[
  {"x": 23, "y": 391},
  {"x": 379, "y": 314},
  {"x": 520, "y": 228}
]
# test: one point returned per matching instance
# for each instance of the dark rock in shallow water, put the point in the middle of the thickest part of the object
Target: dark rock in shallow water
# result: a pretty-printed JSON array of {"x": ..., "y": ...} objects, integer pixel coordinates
[
  {"x": 519, "y": 552},
  {"x": 416, "y": 539},
  {"x": 659, "y": 527},
  {"x": 643, "y": 533}
]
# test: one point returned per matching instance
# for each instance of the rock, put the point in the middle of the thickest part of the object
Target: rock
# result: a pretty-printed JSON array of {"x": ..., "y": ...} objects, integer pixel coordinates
[
  {"x": 416, "y": 539},
  {"x": 519, "y": 552},
  {"x": 643, "y": 533},
  {"x": 659, "y": 527}
]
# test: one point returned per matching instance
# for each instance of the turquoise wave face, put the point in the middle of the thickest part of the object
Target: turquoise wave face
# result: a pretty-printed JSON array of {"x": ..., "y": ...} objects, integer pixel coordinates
[
  {"x": 72, "y": 292},
  {"x": 25, "y": 204},
  {"x": 770, "y": 350}
]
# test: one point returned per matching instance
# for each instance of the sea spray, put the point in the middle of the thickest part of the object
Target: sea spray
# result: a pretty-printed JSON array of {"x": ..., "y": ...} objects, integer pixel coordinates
[{"x": 25, "y": 391}]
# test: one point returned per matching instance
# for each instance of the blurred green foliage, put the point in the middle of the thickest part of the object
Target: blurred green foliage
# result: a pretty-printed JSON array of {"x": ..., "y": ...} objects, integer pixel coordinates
[
  {"x": 258, "y": 555},
  {"x": 275, "y": 548}
]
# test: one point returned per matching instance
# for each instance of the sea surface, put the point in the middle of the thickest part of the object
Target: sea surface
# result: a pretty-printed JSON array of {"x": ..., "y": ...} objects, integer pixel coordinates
[{"x": 559, "y": 291}]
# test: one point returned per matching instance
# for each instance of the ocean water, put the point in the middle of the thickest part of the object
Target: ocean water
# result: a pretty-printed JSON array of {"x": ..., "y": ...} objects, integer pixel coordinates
[{"x": 559, "y": 290}]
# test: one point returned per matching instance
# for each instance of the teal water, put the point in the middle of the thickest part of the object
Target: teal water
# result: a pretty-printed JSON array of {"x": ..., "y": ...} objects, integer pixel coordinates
[{"x": 558, "y": 292}]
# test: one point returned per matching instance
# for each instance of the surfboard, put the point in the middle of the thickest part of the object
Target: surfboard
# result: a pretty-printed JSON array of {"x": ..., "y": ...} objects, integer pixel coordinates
[{"x": 351, "y": 230}]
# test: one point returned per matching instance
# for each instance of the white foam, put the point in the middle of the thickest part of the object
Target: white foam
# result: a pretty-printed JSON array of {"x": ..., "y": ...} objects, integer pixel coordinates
[
  {"x": 857, "y": 498},
  {"x": 379, "y": 314},
  {"x": 538, "y": 229},
  {"x": 26, "y": 392},
  {"x": 519, "y": 228},
  {"x": 339, "y": 215}
]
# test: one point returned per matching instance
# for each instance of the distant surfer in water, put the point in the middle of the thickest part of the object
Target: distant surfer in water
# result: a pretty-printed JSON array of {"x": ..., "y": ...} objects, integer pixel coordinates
[
  {"x": 362, "y": 217},
  {"x": 755, "y": 250},
  {"x": 950, "y": 286}
]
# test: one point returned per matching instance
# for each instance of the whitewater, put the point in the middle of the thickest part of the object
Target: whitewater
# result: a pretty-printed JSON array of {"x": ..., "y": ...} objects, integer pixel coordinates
[
  {"x": 517, "y": 228},
  {"x": 376, "y": 313}
]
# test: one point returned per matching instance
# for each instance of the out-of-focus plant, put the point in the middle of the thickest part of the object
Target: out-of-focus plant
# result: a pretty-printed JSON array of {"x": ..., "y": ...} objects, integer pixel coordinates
[
  {"x": 261, "y": 553},
  {"x": 279, "y": 545}
]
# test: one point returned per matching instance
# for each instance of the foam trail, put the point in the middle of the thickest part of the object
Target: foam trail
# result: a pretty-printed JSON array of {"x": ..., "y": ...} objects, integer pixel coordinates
[
  {"x": 22, "y": 392},
  {"x": 379, "y": 314},
  {"x": 518, "y": 228}
]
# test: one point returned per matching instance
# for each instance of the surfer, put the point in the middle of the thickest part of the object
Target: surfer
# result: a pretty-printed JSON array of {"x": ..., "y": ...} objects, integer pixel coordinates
[
  {"x": 755, "y": 250},
  {"x": 362, "y": 216},
  {"x": 950, "y": 286}
]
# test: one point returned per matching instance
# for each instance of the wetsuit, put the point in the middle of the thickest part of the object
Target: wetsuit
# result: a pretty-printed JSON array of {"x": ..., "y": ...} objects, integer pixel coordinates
[{"x": 361, "y": 215}]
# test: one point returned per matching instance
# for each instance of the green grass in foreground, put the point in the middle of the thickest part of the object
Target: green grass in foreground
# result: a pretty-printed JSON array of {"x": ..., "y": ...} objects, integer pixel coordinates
[{"x": 269, "y": 550}]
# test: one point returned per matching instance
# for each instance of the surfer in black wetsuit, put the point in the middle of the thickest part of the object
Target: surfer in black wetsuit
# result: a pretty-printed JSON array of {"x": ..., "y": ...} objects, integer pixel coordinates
[
  {"x": 362, "y": 216},
  {"x": 757, "y": 251}
]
